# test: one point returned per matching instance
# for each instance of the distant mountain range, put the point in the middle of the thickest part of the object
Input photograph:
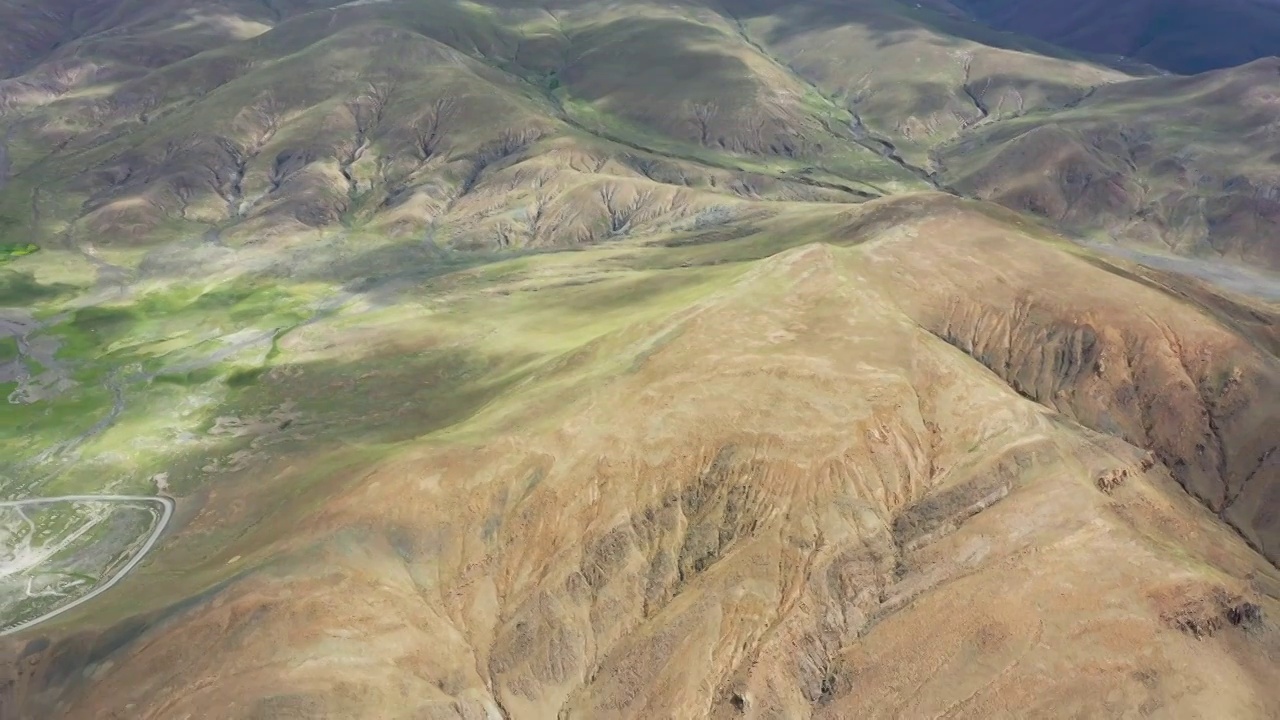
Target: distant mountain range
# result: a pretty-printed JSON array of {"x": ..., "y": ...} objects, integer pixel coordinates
[{"x": 1182, "y": 36}]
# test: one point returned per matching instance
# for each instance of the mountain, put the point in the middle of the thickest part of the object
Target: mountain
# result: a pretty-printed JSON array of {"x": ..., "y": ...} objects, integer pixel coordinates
[
  {"x": 516, "y": 359},
  {"x": 289, "y": 129},
  {"x": 238, "y": 124},
  {"x": 1181, "y": 164},
  {"x": 1182, "y": 36}
]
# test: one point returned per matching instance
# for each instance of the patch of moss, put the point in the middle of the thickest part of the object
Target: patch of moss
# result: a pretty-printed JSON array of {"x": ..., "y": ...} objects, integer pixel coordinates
[
  {"x": 40, "y": 425},
  {"x": 89, "y": 331},
  {"x": 19, "y": 289},
  {"x": 105, "y": 322},
  {"x": 187, "y": 379},
  {"x": 13, "y": 251},
  {"x": 244, "y": 377}
]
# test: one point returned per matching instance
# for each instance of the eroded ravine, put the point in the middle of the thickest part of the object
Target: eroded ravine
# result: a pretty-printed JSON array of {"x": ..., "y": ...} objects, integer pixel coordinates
[{"x": 1121, "y": 359}]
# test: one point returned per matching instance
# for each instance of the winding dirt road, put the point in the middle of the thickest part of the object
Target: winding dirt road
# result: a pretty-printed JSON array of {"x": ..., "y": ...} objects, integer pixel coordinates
[{"x": 166, "y": 505}]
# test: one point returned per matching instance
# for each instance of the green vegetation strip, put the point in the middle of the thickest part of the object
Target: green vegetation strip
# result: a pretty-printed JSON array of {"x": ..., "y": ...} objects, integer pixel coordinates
[{"x": 13, "y": 251}]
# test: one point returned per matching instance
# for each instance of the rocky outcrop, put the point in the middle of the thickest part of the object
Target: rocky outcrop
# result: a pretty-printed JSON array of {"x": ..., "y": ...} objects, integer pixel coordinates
[{"x": 1202, "y": 610}]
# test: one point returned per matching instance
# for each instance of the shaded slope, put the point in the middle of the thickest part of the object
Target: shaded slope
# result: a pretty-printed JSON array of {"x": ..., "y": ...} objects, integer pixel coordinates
[
  {"x": 1182, "y": 164},
  {"x": 514, "y": 125},
  {"x": 916, "y": 77},
  {"x": 1184, "y": 36}
]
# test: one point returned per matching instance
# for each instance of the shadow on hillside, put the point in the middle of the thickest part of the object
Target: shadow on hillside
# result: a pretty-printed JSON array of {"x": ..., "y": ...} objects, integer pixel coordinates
[
  {"x": 384, "y": 273},
  {"x": 342, "y": 406},
  {"x": 664, "y": 54},
  {"x": 901, "y": 24}
]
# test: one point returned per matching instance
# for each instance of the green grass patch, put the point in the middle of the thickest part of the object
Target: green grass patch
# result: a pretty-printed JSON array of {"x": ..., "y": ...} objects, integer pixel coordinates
[
  {"x": 160, "y": 322},
  {"x": 78, "y": 576},
  {"x": 245, "y": 377},
  {"x": 19, "y": 289},
  {"x": 849, "y": 166},
  {"x": 32, "y": 428},
  {"x": 189, "y": 379},
  {"x": 13, "y": 251},
  {"x": 105, "y": 323}
]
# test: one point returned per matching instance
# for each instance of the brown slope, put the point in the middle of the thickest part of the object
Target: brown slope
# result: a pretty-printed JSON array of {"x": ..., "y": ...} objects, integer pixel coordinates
[
  {"x": 945, "y": 472},
  {"x": 1139, "y": 364},
  {"x": 790, "y": 498}
]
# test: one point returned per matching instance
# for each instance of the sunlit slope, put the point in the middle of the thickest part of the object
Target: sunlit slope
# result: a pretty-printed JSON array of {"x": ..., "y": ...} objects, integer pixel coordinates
[{"x": 713, "y": 474}]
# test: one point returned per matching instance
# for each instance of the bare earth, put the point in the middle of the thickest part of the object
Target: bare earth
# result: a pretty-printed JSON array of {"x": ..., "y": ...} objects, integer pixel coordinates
[{"x": 801, "y": 496}]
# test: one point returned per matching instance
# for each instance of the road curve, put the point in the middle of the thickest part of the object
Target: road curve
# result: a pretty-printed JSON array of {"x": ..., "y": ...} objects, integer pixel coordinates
[{"x": 166, "y": 505}]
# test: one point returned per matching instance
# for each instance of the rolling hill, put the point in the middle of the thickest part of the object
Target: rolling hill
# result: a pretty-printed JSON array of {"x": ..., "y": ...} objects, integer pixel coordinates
[
  {"x": 518, "y": 359},
  {"x": 1181, "y": 164},
  {"x": 249, "y": 125}
]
